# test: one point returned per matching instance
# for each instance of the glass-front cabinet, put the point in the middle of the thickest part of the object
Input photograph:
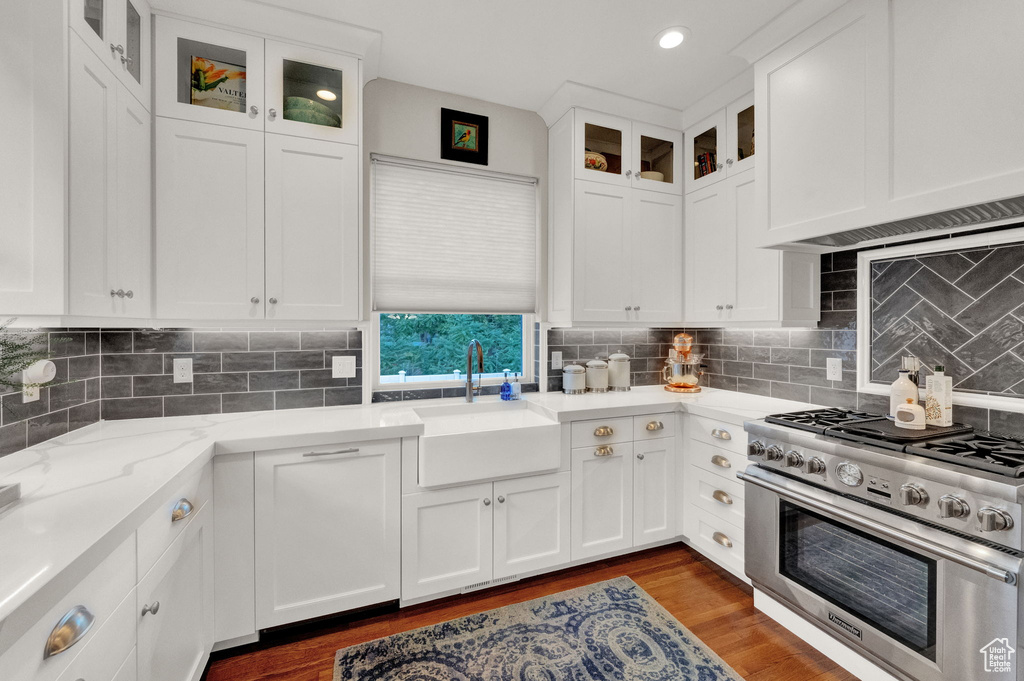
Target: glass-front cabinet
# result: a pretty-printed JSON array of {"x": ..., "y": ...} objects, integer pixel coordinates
[
  {"x": 721, "y": 145},
  {"x": 312, "y": 93},
  {"x": 209, "y": 75},
  {"x": 118, "y": 32},
  {"x": 618, "y": 151}
]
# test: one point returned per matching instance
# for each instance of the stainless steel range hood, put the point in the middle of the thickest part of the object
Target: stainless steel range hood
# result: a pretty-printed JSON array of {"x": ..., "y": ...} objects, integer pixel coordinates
[{"x": 959, "y": 218}]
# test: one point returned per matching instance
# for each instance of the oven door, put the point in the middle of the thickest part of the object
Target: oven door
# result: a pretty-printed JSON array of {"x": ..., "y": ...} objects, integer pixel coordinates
[{"x": 918, "y": 601}]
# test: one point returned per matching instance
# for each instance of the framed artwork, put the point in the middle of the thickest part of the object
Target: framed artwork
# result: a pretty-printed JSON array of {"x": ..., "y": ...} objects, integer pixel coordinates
[{"x": 463, "y": 137}]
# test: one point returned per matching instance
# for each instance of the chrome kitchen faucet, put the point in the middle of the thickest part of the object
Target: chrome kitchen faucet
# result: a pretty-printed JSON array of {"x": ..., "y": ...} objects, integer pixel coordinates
[{"x": 469, "y": 368}]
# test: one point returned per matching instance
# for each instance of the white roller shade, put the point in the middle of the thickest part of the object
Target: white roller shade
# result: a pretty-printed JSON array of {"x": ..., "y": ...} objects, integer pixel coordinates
[{"x": 452, "y": 240}]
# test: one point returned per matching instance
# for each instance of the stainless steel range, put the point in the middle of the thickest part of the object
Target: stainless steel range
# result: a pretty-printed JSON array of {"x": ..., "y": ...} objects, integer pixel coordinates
[{"x": 904, "y": 545}]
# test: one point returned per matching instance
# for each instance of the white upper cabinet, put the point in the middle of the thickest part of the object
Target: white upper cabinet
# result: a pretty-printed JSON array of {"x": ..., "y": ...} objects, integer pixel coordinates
[
  {"x": 720, "y": 145},
  {"x": 209, "y": 75},
  {"x": 617, "y": 151},
  {"x": 118, "y": 32},
  {"x": 657, "y": 239},
  {"x": 312, "y": 93}
]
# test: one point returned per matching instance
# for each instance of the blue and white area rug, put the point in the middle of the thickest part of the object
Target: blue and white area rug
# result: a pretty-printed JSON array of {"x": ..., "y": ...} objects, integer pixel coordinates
[{"x": 606, "y": 631}]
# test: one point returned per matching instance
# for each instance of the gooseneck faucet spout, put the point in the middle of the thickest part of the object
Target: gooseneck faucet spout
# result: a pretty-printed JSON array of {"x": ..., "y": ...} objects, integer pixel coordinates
[{"x": 474, "y": 344}]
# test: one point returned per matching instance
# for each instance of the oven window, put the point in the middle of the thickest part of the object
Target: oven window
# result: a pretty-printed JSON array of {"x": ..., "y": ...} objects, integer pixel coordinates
[{"x": 885, "y": 585}]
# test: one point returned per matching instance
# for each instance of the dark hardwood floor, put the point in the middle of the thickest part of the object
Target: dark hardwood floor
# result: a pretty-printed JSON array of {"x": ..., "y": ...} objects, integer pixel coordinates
[{"x": 712, "y": 604}]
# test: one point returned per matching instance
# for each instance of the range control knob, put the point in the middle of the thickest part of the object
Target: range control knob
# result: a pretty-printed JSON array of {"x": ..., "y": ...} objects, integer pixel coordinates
[
  {"x": 816, "y": 466},
  {"x": 755, "y": 448},
  {"x": 774, "y": 453},
  {"x": 994, "y": 520},
  {"x": 913, "y": 495},
  {"x": 951, "y": 506},
  {"x": 794, "y": 459}
]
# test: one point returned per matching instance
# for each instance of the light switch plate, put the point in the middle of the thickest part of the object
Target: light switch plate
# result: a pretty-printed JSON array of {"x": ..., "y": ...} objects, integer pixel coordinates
[
  {"x": 834, "y": 369},
  {"x": 183, "y": 370},
  {"x": 556, "y": 360},
  {"x": 343, "y": 366}
]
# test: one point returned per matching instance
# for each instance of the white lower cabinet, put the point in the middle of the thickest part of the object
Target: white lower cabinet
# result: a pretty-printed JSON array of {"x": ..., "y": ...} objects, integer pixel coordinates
[
  {"x": 175, "y": 606},
  {"x": 602, "y": 499},
  {"x": 654, "y": 490},
  {"x": 327, "y": 530},
  {"x": 465, "y": 536}
]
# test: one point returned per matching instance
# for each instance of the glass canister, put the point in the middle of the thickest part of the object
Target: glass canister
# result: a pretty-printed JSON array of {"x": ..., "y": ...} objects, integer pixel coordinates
[
  {"x": 618, "y": 372},
  {"x": 574, "y": 379},
  {"x": 597, "y": 376}
]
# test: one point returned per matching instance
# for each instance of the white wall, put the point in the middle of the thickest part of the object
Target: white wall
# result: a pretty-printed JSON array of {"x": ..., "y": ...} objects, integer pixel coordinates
[{"x": 405, "y": 120}]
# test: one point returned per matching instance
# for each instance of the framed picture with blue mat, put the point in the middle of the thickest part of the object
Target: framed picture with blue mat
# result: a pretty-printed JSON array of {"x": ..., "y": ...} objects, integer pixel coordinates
[{"x": 463, "y": 137}]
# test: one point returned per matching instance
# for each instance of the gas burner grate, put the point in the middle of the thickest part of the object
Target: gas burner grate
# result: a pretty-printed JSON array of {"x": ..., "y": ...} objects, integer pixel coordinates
[
  {"x": 818, "y": 420},
  {"x": 984, "y": 451}
]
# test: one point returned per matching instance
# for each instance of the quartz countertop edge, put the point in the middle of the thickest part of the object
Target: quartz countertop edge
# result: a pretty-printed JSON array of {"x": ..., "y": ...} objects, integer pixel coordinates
[{"x": 119, "y": 472}]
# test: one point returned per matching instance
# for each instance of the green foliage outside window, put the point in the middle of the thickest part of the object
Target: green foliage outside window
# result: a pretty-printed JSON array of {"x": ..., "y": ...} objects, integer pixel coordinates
[{"x": 435, "y": 344}]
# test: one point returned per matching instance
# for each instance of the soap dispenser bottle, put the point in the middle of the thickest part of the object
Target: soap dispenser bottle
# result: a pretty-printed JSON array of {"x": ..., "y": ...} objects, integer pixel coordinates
[
  {"x": 517, "y": 388},
  {"x": 506, "y": 389}
]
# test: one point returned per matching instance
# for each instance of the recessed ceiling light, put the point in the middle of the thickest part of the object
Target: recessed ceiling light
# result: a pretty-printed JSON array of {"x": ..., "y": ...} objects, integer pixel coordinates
[
  {"x": 326, "y": 95},
  {"x": 673, "y": 36}
]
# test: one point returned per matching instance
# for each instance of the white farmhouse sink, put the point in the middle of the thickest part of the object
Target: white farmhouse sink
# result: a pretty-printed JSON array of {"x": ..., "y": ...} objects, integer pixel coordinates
[{"x": 485, "y": 440}]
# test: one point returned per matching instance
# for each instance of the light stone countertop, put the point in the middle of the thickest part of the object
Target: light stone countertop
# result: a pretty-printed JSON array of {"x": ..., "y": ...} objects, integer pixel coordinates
[{"x": 84, "y": 492}]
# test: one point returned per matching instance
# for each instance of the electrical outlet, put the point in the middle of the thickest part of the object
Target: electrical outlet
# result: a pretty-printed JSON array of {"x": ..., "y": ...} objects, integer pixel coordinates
[
  {"x": 343, "y": 366},
  {"x": 834, "y": 369},
  {"x": 556, "y": 360},
  {"x": 183, "y": 370}
]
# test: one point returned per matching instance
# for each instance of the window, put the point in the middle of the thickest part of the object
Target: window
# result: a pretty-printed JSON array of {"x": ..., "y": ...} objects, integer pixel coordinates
[{"x": 419, "y": 348}]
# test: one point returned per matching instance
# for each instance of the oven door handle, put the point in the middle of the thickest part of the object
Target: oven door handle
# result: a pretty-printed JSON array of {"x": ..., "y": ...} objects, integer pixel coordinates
[{"x": 868, "y": 524}]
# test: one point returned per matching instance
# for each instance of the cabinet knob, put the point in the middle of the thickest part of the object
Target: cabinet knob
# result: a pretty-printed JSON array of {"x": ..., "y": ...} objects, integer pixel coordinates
[
  {"x": 272, "y": 301},
  {"x": 113, "y": 293},
  {"x": 636, "y": 308},
  {"x": 254, "y": 110},
  {"x": 254, "y": 300},
  {"x": 719, "y": 166},
  {"x": 719, "y": 307},
  {"x": 129, "y": 294},
  {"x": 126, "y": 60},
  {"x": 272, "y": 114},
  {"x": 728, "y": 161},
  {"x": 151, "y": 609},
  {"x": 501, "y": 500},
  {"x": 728, "y": 307},
  {"x": 119, "y": 49},
  {"x": 487, "y": 502},
  {"x": 640, "y": 457},
  {"x": 630, "y": 172},
  {"x": 119, "y": 293}
]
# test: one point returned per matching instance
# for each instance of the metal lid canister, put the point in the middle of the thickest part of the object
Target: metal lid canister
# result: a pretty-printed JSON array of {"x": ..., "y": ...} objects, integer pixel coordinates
[
  {"x": 574, "y": 380},
  {"x": 618, "y": 372},
  {"x": 597, "y": 376}
]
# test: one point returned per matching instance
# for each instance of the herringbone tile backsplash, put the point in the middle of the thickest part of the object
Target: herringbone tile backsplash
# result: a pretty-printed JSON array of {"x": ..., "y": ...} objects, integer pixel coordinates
[{"x": 961, "y": 309}]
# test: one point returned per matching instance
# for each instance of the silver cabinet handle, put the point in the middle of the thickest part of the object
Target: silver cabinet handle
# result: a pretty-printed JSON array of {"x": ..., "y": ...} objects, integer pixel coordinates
[
  {"x": 883, "y": 530},
  {"x": 630, "y": 172},
  {"x": 722, "y": 497},
  {"x": 75, "y": 623},
  {"x": 254, "y": 300},
  {"x": 254, "y": 110},
  {"x": 119, "y": 49},
  {"x": 151, "y": 609},
  {"x": 728, "y": 307},
  {"x": 126, "y": 60},
  {"x": 721, "y": 434},
  {"x": 728, "y": 162},
  {"x": 603, "y": 431},
  {"x": 722, "y": 539},
  {"x": 721, "y": 461},
  {"x": 640, "y": 457},
  {"x": 719, "y": 166},
  {"x": 487, "y": 502},
  {"x": 128, "y": 294},
  {"x": 636, "y": 308},
  {"x": 628, "y": 308},
  {"x": 604, "y": 450},
  {"x": 181, "y": 510},
  {"x": 655, "y": 426},
  {"x": 272, "y": 301},
  {"x": 350, "y": 450},
  {"x": 501, "y": 500},
  {"x": 719, "y": 308},
  {"x": 119, "y": 293},
  {"x": 272, "y": 114},
  {"x": 113, "y": 293}
]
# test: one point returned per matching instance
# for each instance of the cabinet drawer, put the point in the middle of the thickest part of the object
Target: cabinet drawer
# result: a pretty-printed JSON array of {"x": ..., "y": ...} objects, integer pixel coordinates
[
  {"x": 715, "y": 459},
  {"x": 100, "y": 592},
  {"x": 720, "y": 541},
  {"x": 602, "y": 431},
  {"x": 715, "y": 494},
  {"x": 651, "y": 426},
  {"x": 719, "y": 433},
  {"x": 614, "y": 449},
  {"x": 160, "y": 529},
  {"x": 109, "y": 649}
]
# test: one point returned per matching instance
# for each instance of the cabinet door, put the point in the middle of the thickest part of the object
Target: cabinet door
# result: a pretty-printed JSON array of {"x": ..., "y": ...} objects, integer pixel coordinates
[
  {"x": 602, "y": 148},
  {"x": 602, "y": 286},
  {"x": 602, "y": 500},
  {"x": 209, "y": 221},
  {"x": 531, "y": 523},
  {"x": 704, "y": 163},
  {"x": 739, "y": 116},
  {"x": 446, "y": 540},
  {"x": 134, "y": 270},
  {"x": 312, "y": 229},
  {"x": 654, "y": 490},
  {"x": 131, "y": 63},
  {"x": 657, "y": 151},
  {"x": 710, "y": 254},
  {"x": 312, "y": 93},
  {"x": 327, "y": 530},
  {"x": 657, "y": 254},
  {"x": 175, "y": 636},
  {"x": 758, "y": 270},
  {"x": 92, "y": 183},
  {"x": 208, "y": 75},
  {"x": 96, "y": 23}
]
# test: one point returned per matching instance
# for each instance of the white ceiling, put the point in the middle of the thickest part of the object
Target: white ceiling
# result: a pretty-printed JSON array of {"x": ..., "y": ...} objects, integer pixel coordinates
[{"x": 518, "y": 52}]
